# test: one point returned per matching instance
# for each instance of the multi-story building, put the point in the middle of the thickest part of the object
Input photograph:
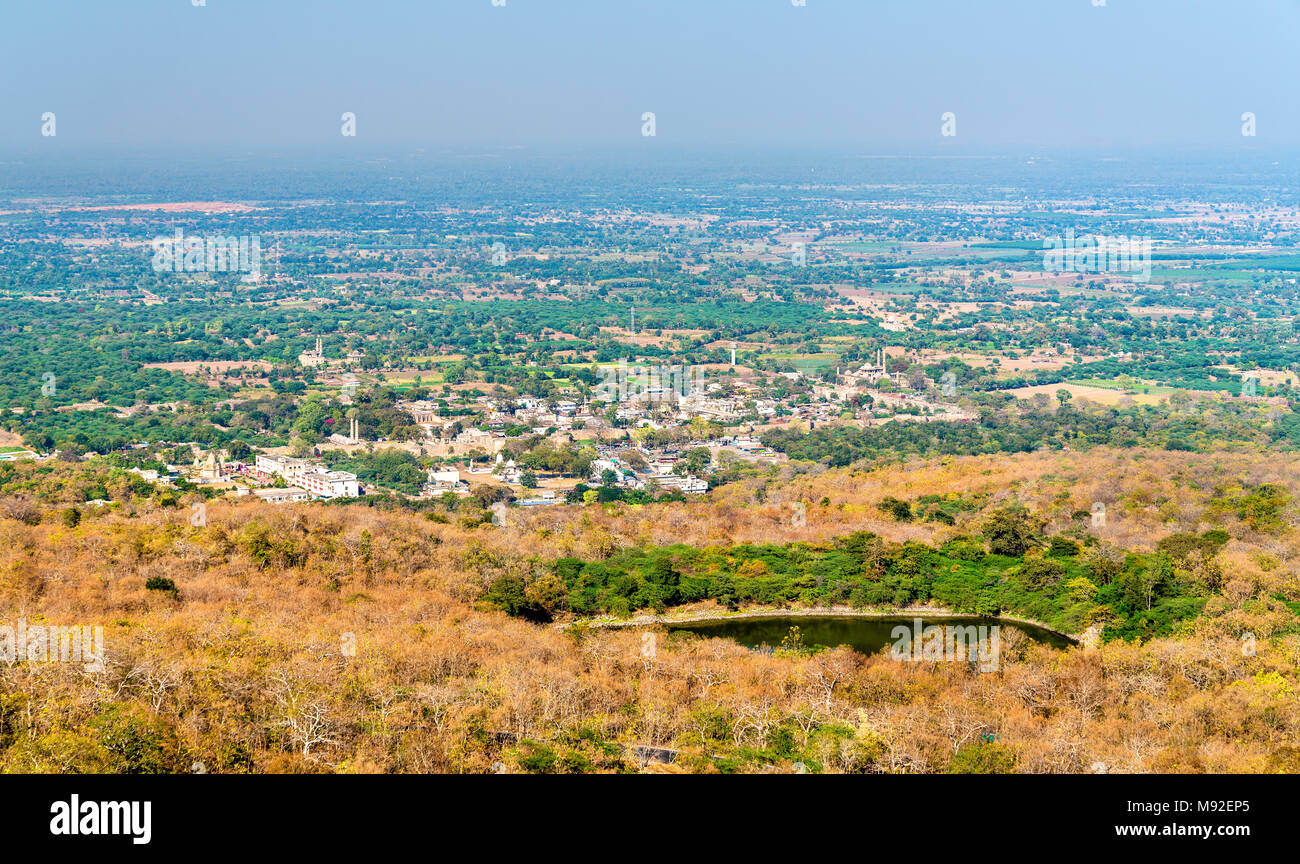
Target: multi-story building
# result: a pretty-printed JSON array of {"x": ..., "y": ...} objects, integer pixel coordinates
[
  {"x": 322, "y": 483},
  {"x": 267, "y": 468},
  {"x": 318, "y": 481}
]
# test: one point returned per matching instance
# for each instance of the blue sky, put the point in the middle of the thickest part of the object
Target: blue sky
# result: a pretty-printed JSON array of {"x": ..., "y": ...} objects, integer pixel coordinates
[{"x": 536, "y": 75}]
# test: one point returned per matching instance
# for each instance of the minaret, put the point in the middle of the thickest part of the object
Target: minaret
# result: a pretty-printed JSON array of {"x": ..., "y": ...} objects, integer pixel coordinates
[
  {"x": 733, "y": 353},
  {"x": 633, "y": 319}
]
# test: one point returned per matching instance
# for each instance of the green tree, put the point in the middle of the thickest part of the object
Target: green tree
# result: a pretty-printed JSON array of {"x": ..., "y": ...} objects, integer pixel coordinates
[
  {"x": 1011, "y": 531},
  {"x": 1041, "y": 573}
]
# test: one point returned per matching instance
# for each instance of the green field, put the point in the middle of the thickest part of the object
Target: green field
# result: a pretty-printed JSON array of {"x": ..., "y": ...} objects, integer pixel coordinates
[
  {"x": 1145, "y": 387},
  {"x": 805, "y": 363}
]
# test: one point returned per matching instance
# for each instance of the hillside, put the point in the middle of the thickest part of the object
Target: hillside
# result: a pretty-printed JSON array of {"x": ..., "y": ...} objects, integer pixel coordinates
[{"x": 350, "y": 638}]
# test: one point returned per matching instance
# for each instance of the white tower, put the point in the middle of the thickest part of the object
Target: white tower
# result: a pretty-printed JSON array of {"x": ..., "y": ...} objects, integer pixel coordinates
[{"x": 733, "y": 353}]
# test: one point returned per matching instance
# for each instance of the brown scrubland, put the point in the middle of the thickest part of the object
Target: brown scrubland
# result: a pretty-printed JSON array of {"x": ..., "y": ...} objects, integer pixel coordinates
[{"x": 318, "y": 638}]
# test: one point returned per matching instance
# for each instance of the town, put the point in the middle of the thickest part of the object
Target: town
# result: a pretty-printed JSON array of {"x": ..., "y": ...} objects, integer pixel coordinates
[{"x": 650, "y": 429}]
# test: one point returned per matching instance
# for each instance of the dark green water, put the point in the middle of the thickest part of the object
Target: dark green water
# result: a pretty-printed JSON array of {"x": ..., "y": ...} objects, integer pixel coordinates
[{"x": 867, "y": 635}]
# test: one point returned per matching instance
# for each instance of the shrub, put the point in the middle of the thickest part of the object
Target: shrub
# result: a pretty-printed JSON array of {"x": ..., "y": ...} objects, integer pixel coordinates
[
  {"x": 985, "y": 758},
  {"x": 162, "y": 583},
  {"x": 900, "y": 510}
]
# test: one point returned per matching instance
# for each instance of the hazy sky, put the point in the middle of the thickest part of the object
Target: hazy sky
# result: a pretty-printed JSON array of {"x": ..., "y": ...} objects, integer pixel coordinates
[{"x": 451, "y": 75}]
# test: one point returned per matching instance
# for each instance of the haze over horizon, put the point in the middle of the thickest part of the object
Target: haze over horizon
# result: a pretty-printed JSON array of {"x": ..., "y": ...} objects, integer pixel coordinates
[{"x": 236, "y": 77}]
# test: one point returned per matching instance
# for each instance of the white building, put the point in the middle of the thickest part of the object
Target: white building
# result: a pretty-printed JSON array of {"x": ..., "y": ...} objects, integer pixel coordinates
[
  {"x": 283, "y": 496},
  {"x": 871, "y": 373},
  {"x": 446, "y": 480},
  {"x": 511, "y": 473},
  {"x": 546, "y": 499},
  {"x": 313, "y": 357},
  {"x": 319, "y": 481},
  {"x": 689, "y": 485},
  {"x": 330, "y": 484}
]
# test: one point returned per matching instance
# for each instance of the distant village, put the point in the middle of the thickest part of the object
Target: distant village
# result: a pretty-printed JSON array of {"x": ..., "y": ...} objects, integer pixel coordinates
[{"x": 607, "y": 420}]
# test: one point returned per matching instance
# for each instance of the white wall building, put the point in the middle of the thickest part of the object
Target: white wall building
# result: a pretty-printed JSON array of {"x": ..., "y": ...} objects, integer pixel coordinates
[
  {"x": 330, "y": 484},
  {"x": 320, "y": 482},
  {"x": 283, "y": 496}
]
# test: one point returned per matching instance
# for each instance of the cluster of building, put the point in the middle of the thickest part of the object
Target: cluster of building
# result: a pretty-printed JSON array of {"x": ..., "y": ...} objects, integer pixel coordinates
[
  {"x": 659, "y": 406},
  {"x": 630, "y": 466},
  {"x": 315, "y": 357},
  {"x": 627, "y": 466},
  {"x": 304, "y": 480},
  {"x": 646, "y": 408}
]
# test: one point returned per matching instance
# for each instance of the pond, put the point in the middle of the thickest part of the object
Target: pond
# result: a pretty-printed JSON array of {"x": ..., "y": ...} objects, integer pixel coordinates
[{"x": 866, "y": 635}]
